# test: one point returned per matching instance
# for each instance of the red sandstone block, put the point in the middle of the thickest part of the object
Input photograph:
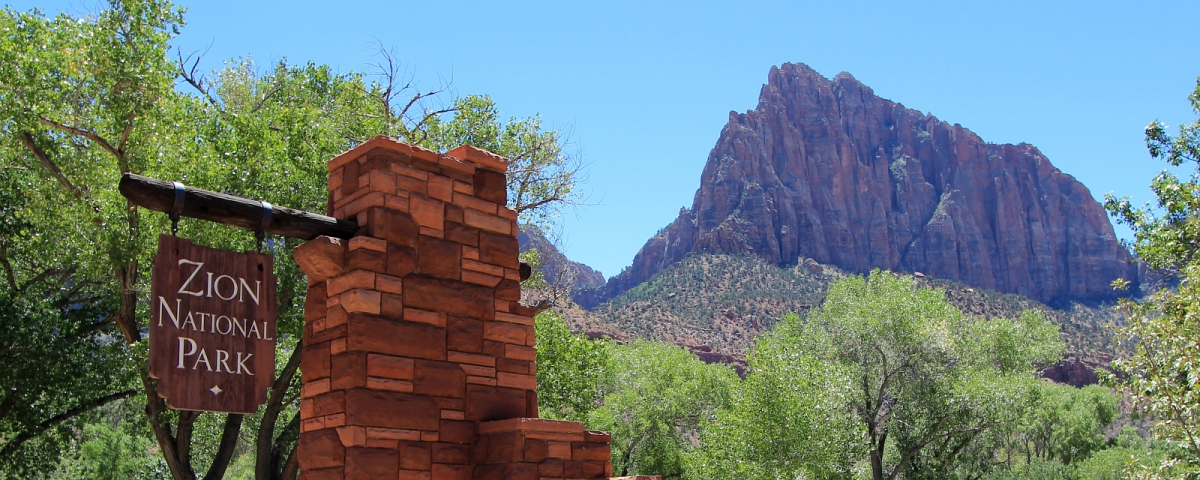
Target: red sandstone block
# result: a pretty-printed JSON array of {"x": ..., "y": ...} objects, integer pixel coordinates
[
  {"x": 439, "y": 258},
  {"x": 389, "y": 384},
  {"x": 450, "y": 403},
  {"x": 516, "y": 380},
  {"x": 481, "y": 380},
  {"x": 558, "y": 449},
  {"x": 389, "y": 284},
  {"x": 415, "y": 475},
  {"x": 348, "y": 197},
  {"x": 320, "y": 449},
  {"x": 452, "y": 297},
  {"x": 408, "y": 171},
  {"x": 499, "y": 249},
  {"x": 381, "y": 443},
  {"x": 470, "y": 252},
  {"x": 441, "y": 188},
  {"x": 335, "y": 420},
  {"x": 350, "y": 370},
  {"x": 454, "y": 213},
  {"x": 486, "y": 403},
  {"x": 478, "y": 371},
  {"x": 392, "y": 226},
  {"x": 371, "y": 463},
  {"x": 463, "y": 187},
  {"x": 480, "y": 157},
  {"x": 514, "y": 318},
  {"x": 459, "y": 233},
  {"x": 427, "y": 212},
  {"x": 456, "y": 164},
  {"x": 401, "y": 260},
  {"x": 487, "y": 222},
  {"x": 336, "y": 317},
  {"x": 519, "y": 352},
  {"x": 369, "y": 260},
  {"x": 443, "y": 379},
  {"x": 415, "y": 456},
  {"x": 508, "y": 213},
  {"x": 361, "y": 301},
  {"x": 504, "y": 332},
  {"x": 383, "y": 181},
  {"x": 532, "y": 425},
  {"x": 558, "y": 437},
  {"x": 330, "y": 333},
  {"x": 518, "y": 309},
  {"x": 313, "y": 389},
  {"x": 464, "y": 334},
  {"x": 316, "y": 297},
  {"x": 351, "y": 280},
  {"x": 471, "y": 202},
  {"x": 512, "y": 274},
  {"x": 552, "y": 467},
  {"x": 327, "y": 404},
  {"x": 430, "y": 232},
  {"x": 590, "y": 451},
  {"x": 314, "y": 363},
  {"x": 391, "y": 306},
  {"x": 597, "y": 436},
  {"x": 530, "y": 337},
  {"x": 457, "y": 431},
  {"x": 393, "y": 434},
  {"x": 352, "y": 436},
  {"x": 337, "y": 346},
  {"x": 513, "y": 366},
  {"x": 474, "y": 359},
  {"x": 480, "y": 278},
  {"x": 429, "y": 436},
  {"x": 502, "y": 305},
  {"x": 373, "y": 408},
  {"x": 535, "y": 450},
  {"x": 493, "y": 348},
  {"x": 335, "y": 180},
  {"x": 409, "y": 185},
  {"x": 505, "y": 446},
  {"x": 396, "y": 202},
  {"x": 373, "y": 199},
  {"x": 453, "y": 415},
  {"x": 424, "y": 316},
  {"x": 452, "y": 453},
  {"x": 442, "y": 471},
  {"x": 491, "y": 186},
  {"x": 582, "y": 469},
  {"x": 476, "y": 266},
  {"x": 508, "y": 290},
  {"x": 312, "y": 424},
  {"x": 380, "y": 335},
  {"x": 368, "y": 243}
]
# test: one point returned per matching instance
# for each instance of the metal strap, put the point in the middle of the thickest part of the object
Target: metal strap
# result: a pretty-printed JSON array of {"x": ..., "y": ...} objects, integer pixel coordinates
[
  {"x": 177, "y": 207},
  {"x": 266, "y": 223}
]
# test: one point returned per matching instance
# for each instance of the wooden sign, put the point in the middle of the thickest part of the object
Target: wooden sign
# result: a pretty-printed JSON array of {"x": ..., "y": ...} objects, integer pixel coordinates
[{"x": 212, "y": 327}]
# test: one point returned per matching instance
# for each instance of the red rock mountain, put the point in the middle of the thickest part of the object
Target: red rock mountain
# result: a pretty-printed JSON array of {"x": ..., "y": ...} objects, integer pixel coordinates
[{"x": 825, "y": 169}]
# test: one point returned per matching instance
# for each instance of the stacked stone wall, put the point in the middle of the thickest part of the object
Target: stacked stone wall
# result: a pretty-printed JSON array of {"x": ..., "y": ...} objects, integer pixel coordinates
[{"x": 415, "y": 342}]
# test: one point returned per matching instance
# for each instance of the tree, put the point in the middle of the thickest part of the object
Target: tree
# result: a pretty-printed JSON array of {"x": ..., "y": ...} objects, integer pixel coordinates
[
  {"x": 571, "y": 370},
  {"x": 1162, "y": 333},
  {"x": 656, "y": 397},
  {"x": 918, "y": 381},
  {"x": 84, "y": 100}
]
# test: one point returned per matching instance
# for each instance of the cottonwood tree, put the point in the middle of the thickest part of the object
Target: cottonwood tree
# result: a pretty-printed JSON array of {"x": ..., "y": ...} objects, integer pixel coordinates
[
  {"x": 84, "y": 100},
  {"x": 1162, "y": 332}
]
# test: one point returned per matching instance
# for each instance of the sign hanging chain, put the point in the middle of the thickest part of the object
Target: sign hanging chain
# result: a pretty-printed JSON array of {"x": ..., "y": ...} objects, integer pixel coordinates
[
  {"x": 262, "y": 227},
  {"x": 177, "y": 207}
]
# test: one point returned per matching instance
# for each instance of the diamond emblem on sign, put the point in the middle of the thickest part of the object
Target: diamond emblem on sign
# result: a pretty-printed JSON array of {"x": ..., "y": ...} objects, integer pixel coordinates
[{"x": 215, "y": 389}]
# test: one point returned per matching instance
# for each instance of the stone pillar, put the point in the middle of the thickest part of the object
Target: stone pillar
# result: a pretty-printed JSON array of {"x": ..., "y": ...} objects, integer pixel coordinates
[{"x": 416, "y": 348}]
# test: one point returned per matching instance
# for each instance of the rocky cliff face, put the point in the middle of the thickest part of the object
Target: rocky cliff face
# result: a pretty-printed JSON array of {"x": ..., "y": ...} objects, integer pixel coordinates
[{"x": 824, "y": 169}]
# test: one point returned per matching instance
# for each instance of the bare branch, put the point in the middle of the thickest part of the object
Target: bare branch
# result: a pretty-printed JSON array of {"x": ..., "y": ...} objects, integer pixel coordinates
[
  {"x": 8, "y": 270},
  {"x": 189, "y": 74},
  {"x": 88, "y": 134},
  {"x": 27, "y": 140}
]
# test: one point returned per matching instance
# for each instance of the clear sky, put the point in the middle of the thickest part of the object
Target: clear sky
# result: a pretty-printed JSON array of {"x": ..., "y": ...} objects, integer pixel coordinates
[{"x": 645, "y": 87}]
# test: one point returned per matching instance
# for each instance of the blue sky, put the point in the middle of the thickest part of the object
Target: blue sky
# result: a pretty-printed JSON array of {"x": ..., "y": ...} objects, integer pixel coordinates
[{"x": 645, "y": 87}]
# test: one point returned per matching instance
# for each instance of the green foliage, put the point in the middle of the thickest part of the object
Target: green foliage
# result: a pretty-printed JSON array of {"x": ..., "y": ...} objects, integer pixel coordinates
[
  {"x": 917, "y": 382},
  {"x": 656, "y": 397},
  {"x": 571, "y": 370}
]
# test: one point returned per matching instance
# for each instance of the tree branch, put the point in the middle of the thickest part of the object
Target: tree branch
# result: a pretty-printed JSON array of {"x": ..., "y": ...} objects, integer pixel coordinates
[
  {"x": 266, "y": 429},
  {"x": 189, "y": 76},
  {"x": 90, "y": 135},
  {"x": 12, "y": 445},
  {"x": 27, "y": 140},
  {"x": 229, "y": 439}
]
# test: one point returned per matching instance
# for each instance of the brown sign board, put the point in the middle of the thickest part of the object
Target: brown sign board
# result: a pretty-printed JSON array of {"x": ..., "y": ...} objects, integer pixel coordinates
[{"x": 212, "y": 327}]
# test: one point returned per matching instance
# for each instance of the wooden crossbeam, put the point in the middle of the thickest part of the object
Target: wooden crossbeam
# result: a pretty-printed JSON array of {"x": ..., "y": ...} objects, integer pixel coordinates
[{"x": 159, "y": 195}]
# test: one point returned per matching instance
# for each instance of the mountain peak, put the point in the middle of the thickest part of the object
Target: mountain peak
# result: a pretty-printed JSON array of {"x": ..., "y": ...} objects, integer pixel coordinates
[{"x": 825, "y": 169}]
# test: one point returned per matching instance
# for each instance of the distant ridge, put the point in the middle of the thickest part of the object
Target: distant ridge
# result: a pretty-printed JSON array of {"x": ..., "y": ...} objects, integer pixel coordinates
[{"x": 825, "y": 169}]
